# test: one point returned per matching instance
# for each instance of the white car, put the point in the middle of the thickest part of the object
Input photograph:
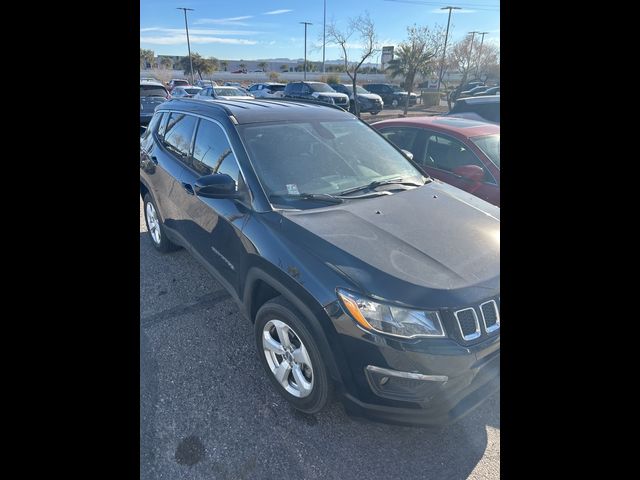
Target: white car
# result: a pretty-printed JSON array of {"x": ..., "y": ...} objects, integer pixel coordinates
[
  {"x": 267, "y": 90},
  {"x": 185, "y": 92},
  {"x": 222, "y": 93},
  {"x": 206, "y": 83}
]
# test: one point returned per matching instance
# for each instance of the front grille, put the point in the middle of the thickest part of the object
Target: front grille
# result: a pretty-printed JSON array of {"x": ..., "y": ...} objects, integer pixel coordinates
[
  {"x": 490, "y": 316},
  {"x": 468, "y": 323}
]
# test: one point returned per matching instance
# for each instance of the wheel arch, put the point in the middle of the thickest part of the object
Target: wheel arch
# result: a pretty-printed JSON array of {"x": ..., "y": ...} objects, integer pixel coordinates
[{"x": 260, "y": 287}]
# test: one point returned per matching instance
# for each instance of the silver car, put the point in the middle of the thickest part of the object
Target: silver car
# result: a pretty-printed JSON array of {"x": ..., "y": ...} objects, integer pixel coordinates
[
  {"x": 222, "y": 93},
  {"x": 185, "y": 92},
  {"x": 267, "y": 90}
]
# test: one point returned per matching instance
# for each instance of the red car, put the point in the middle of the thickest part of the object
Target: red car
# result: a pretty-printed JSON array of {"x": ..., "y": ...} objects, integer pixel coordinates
[{"x": 461, "y": 152}]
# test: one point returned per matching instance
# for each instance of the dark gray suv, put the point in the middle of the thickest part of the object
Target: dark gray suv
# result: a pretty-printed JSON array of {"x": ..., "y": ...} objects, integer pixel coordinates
[
  {"x": 364, "y": 279},
  {"x": 316, "y": 91}
]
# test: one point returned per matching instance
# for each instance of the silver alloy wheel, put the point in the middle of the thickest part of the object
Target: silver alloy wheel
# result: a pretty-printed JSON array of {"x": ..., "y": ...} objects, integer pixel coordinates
[
  {"x": 153, "y": 223},
  {"x": 394, "y": 103},
  {"x": 287, "y": 358}
]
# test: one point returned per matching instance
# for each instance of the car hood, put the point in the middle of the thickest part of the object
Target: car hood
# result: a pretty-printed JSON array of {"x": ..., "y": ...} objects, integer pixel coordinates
[
  {"x": 432, "y": 246},
  {"x": 234, "y": 97},
  {"x": 330, "y": 94}
]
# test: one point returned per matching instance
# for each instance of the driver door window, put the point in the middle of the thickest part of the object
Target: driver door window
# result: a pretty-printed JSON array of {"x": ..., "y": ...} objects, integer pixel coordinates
[{"x": 212, "y": 152}]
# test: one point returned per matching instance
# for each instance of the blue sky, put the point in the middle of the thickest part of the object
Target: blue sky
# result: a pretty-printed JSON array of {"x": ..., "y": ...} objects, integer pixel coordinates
[{"x": 257, "y": 29}]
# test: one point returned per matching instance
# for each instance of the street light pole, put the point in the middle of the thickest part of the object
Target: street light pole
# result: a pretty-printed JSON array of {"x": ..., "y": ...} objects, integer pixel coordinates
[
  {"x": 446, "y": 37},
  {"x": 324, "y": 33},
  {"x": 188, "y": 44},
  {"x": 473, "y": 35},
  {"x": 305, "y": 47},
  {"x": 480, "y": 51}
]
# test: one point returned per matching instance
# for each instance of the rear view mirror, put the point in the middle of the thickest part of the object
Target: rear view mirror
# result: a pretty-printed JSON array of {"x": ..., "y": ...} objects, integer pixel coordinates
[
  {"x": 218, "y": 185},
  {"x": 473, "y": 173},
  {"x": 407, "y": 154}
]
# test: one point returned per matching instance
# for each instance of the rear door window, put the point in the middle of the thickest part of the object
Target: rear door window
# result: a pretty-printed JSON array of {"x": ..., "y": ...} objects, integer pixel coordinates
[
  {"x": 445, "y": 153},
  {"x": 407, "y": 138}
]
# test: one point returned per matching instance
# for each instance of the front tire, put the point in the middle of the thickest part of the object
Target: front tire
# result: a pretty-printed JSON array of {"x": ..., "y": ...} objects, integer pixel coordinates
[
  {"x": 155, "y": 228},
  {"x": 395, "y": 103},
  {"x": 291, "y": 357}
]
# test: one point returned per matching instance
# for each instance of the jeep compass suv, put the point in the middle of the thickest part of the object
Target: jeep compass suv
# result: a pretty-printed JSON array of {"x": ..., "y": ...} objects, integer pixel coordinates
[{"x": 364, "y": 278}]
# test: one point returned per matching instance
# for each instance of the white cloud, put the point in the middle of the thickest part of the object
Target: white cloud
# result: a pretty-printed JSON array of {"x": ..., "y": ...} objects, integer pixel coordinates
[
  {"x": 178, "y": 39},
  {"x": 224, "y": 21},
  {"x": 200, "y": 31},
  {"x": 278, "y": 12},
  {"x": 462, "y": 10}
]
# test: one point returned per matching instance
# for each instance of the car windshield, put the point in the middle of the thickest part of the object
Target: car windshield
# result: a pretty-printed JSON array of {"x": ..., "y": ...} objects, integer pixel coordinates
[
  {"x": 320, "y": 87},
  {"x": 229, "y": 92},
  {"x": 180, "y": 82},
  {"x": 359, "y": 89},
  {"x": 322, "y": 157},
  {"x": 396, "y": 88},
  {"x": 152, "y": 91},
  {"x": 192, "y": 91},
  {"x": 490, "y": 146}
]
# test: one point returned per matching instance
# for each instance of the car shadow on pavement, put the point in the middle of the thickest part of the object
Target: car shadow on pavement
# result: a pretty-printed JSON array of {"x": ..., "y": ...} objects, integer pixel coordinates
[{"x": 208, "y": 410}]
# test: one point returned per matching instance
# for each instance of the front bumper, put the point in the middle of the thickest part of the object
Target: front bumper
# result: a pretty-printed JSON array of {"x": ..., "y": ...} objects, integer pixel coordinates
[
  {"x": 370, "y": 107},
  {"x": 451, "y": 379}
]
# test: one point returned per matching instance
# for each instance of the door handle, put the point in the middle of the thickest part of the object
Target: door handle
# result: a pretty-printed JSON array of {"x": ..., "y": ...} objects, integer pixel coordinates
[{"x": 188, "y": 188}]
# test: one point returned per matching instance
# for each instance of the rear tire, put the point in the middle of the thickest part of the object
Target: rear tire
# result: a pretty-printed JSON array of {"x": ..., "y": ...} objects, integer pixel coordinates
[
  {"x": 155, "y": 228},
  {"x": 287, "y": 349}
]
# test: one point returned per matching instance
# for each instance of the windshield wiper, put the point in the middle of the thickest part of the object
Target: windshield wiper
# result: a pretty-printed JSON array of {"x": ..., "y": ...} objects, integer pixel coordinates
[
  {"x": 323, "y": 197},
  {"x": 378, "y": 183}
]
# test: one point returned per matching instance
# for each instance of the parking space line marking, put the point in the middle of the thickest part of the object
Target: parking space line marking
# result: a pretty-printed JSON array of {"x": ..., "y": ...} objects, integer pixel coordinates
[{"x": 208, "y": 300}]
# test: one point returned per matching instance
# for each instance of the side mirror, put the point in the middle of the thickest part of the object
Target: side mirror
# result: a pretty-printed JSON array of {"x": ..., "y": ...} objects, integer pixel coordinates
[
  {"x": 407, "y": 154},
  {"x": 473, "y": 173},
  {"x": 218, "y": 185}
]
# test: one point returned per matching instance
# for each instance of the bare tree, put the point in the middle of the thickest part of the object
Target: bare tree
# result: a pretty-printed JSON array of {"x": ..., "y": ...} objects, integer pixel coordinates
[
  {"x": 465, "y": 60},
  {"x": 362, "y": 31}
]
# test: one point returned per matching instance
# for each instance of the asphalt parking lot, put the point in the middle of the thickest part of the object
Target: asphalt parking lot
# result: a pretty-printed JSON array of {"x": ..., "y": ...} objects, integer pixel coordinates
[{"x": 208, "y": 411}]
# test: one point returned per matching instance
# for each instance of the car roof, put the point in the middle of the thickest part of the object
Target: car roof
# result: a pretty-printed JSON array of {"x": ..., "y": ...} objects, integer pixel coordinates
[
  {"x": 481, "y": 99},
  {"x": 150, "y": 82},
  {"x": 259, "y": 110},
  {"x": 462, "y": 126}
]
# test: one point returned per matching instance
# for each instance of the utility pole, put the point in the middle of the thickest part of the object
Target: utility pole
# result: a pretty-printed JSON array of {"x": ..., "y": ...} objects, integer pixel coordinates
[
  {"x": 324, "y": 33},
  {"x": 480, "y": 51},
  {"x": 446, "y": 37},
  {"x": 305, "y": 47},
  {"x": 188, "y": 44},
  {"x": 473, "y": 34}
]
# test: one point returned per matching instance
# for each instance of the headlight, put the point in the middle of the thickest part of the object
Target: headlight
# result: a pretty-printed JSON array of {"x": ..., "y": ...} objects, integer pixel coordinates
[{"x": 389, "y": 319}]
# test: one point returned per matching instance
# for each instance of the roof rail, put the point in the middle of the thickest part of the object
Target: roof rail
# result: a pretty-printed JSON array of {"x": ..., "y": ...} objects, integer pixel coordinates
[
  {"x": 304, "y": 100},
  {"x": 221, "y": 106}
]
